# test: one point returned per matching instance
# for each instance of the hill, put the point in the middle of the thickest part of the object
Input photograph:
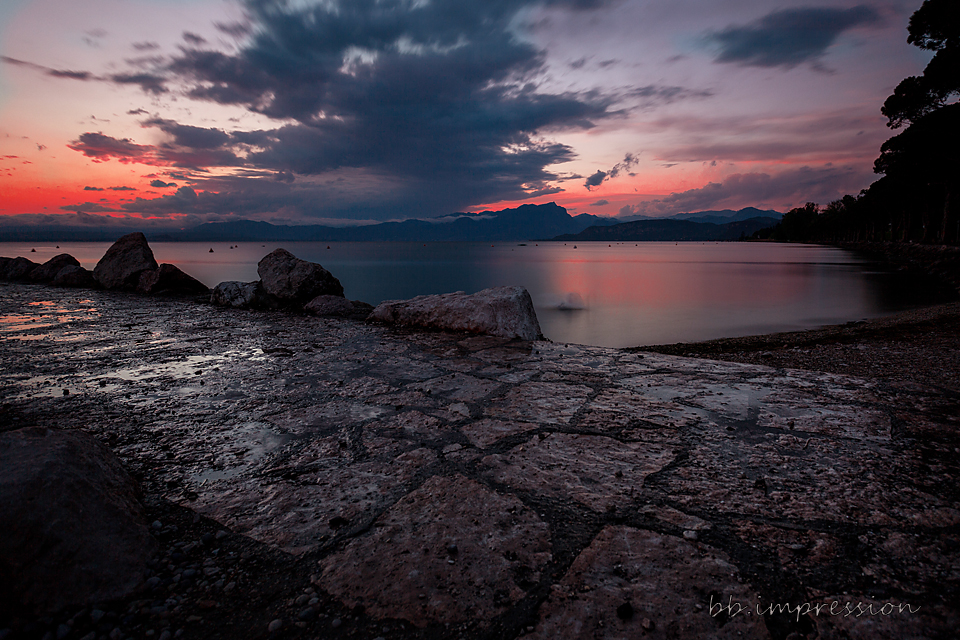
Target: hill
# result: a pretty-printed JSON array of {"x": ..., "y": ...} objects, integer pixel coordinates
[{"x": 671, "y": 230}]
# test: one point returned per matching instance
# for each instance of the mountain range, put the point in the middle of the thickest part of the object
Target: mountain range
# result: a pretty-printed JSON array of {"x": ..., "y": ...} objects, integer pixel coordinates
[{"x": 526, "y": 222}]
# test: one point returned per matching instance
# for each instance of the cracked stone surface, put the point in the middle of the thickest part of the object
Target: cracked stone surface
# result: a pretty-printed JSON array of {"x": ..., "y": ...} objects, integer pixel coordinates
[
  {"x": 632, "y": 583},
  {"x": 449, "y": 552},
  {"x": 477, "y": 487}
]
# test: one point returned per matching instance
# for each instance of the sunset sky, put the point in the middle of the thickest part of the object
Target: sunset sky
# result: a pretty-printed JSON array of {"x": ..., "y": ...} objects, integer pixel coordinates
[{"x": 187, "y": 111}]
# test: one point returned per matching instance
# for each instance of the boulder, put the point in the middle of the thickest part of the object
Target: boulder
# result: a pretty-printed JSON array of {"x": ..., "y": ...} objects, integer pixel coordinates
[
  {"x": 295, "y": 282},
  {"x": 242, "y": 295},
  {"x": 121, "y": 266},
  {"x": 338, "y": 307},
  {"x": 17, "y": 269},
  {"x": 49, "y": 269},
  {"x": 170, "y": 280},
  {"x": 75, "y": 276},
  {"x": 500, "y": 311},
  {"x": 73, "y": 532}
]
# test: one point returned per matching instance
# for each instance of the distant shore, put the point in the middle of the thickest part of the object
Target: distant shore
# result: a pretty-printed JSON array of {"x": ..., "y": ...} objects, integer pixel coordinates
[{"x": 919, "y": 346}]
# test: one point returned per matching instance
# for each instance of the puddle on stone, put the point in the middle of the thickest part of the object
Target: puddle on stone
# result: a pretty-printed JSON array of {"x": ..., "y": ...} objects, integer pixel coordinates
[{"x": 249, "y": 444}]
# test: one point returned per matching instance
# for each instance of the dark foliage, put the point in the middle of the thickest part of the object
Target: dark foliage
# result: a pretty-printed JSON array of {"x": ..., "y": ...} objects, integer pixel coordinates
[{"x": 916, "y": 199}]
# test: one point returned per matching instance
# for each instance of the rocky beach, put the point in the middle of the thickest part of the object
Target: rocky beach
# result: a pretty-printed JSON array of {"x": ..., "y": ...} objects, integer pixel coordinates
[{"x": 272, "y": 474}]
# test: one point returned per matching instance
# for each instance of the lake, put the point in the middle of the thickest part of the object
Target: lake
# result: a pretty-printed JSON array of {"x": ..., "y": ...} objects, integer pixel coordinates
[{"x": 594, "y": 293}]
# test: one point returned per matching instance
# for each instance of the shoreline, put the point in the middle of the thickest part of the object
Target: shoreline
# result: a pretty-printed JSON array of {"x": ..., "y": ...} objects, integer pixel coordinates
[
  {"x": 916, "y": 346},
  {"x": 499, "y": 489}
]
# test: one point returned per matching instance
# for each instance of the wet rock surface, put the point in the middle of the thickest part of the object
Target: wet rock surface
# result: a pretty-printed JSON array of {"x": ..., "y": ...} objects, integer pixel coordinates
[
  {"x": 73, "y": 530},
  {"x": 168, "y": 279},
  {"x": 314, "y": 477},
  {"x": 49, "y": 269},
  {"x": 295, "y": 282},
  {"x": 338, "y": 307},
  {"x": 75, "y": 276},
  {"x": 506, "y": 312},
  {"x": 124, "y": 262}
]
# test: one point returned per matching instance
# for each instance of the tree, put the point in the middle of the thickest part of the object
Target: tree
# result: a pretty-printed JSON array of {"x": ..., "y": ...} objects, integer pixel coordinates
[
  {"x": 935, "y": 26},
  {"x": 924, "y": 160}
]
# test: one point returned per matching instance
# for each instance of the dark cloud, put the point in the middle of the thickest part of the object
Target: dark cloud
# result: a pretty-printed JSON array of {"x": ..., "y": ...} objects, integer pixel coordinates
[
  {"x": 190, "y": 136},
  {"x": 193, "y": 38},
  {"x": 595, "y": 180},
  {"x": 160, "y": 184},
  {"x": 235, "y": 29},
  {"x": 136, "y": 112},
  {"x": 93, "y": 189},
  {"x": 56, "y": 73},
  {"x": 88, "y": 207},
  {"x": 789, "y": 37},
  {"x": 655, "y": 94},
  {"x": 145, "y": 46},
  {"x": 436, "y": 95},
  {"x": 149, "y": 82},
  {"x": 41, "y": 147},
  {"x": 101, "y": 147},
  {"x": 628, "y": 162},
  {"x": 599, "y": 203},
  {"x": 788, "y": 188},
  {"x": 122, "y": 189}
]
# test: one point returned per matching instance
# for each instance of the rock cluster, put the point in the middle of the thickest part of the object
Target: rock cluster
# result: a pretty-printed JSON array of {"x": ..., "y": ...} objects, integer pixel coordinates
[
  {"x": 73, "y": 530},
  {"x": 286, "y": 282},
  {"x": 506, "y": 312},
  {"x": 62, "y": 270},
  {"x": 128, "y": 265}
]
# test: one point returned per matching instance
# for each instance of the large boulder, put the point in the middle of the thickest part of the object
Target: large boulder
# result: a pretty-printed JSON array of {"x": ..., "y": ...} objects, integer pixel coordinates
[
  {"x": 338, "y": 307},
  {"x": 500, "y": 311},
  {"x": 18, "y": 268},
  {"x": 49, "y": 269},
  {"x": 170, "y": 280},
  {"x": 293, "y": 281},
  {"x": 73, "y": 530},
  {"x": 242, "y": 295},
  {"x": 121, "y": 266},
  {"x": 75, "y": 276}
]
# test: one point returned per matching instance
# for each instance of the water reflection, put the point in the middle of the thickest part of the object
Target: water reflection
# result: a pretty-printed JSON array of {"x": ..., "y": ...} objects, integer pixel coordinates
[{"x": 597, "y": 293}]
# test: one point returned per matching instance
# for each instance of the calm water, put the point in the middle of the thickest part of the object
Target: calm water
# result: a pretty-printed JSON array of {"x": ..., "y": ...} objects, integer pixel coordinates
[{"x": 590, "y": 293}]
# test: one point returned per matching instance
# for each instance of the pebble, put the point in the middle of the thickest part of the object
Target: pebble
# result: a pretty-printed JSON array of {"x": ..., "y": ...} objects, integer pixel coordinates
[
  {"x": 307, "y": 614},
  {"x": 274, "y": 625},
  {"x": 336, "y": 622},
  {"x": 690, "y": 535}
]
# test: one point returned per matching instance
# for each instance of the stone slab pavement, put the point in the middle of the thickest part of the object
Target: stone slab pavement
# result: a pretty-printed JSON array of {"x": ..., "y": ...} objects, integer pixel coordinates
[{"x": 478, "y": 487}]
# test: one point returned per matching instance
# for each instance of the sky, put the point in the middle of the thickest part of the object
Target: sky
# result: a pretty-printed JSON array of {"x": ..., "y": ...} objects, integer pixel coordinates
[{"x": 179, "y": 112}]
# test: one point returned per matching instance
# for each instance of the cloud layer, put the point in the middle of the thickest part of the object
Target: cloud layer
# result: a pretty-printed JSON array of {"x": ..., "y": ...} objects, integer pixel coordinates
[{"x": 789, "y": 37}]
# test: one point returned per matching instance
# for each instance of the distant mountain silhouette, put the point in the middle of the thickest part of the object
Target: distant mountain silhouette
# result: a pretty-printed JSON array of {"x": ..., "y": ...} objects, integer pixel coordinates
[
  {"x": 523, "y": 223},
  {"x": 526, "y": 222},
  {"x": 716, "y": 217},
  {"x": 672, "y": 230}
]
